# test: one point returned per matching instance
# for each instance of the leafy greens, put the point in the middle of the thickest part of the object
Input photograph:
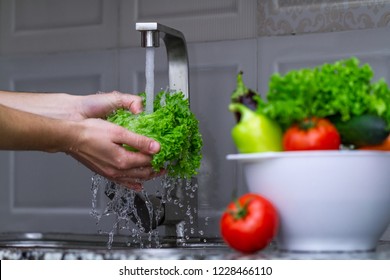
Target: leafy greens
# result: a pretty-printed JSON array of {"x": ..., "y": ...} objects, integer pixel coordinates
[
  {"x": 343, "y": 88},
  {"x": 174, "y": 126}
]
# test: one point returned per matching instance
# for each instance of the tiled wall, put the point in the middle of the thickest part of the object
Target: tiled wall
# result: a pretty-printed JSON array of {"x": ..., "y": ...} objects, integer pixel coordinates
[
  {"x": 88, "y": 46},
  {"x": 281, "y": 17}
]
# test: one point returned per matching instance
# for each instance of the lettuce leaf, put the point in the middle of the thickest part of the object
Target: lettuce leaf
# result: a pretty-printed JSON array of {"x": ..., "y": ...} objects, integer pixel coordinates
[
  {"x": 342, "y": 88},
  {"x": 174, "y": 126}
]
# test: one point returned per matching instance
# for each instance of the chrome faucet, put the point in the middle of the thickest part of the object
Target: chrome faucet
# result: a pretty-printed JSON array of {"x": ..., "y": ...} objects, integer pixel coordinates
[
  {"x": 176, "y": 47},
  {"x": 170, "y": 209}
]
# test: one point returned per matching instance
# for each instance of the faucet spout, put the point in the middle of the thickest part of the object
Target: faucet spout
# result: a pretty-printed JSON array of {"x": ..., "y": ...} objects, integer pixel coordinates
[{"x": 176, "y": 47}]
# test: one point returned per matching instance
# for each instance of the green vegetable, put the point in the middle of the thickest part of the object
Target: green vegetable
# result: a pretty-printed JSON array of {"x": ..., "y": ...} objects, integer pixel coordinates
[
  {"x": 343, "y": 88},
  {"x": 360, "y": 131},
  {"x": 255, "y": 132},
  {"x": 174, "y": 126}
]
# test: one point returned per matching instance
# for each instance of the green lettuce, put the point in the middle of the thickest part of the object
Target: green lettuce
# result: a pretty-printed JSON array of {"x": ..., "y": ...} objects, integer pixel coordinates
[
  {"x": 174, "y": 126},
  {"x": 343, "y": 88}
]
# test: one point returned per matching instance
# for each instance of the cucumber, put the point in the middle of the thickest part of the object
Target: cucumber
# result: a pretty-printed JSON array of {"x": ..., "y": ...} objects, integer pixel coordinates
[{"x": 360, "y": 131}]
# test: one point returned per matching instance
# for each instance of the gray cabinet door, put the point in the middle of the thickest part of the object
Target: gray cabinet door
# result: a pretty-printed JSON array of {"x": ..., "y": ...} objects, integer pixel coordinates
[{"x": 42, "y": 191}]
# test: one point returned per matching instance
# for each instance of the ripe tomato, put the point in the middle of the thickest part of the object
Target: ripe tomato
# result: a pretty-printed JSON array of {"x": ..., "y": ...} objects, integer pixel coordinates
[
  {"x": 312, "y": 134},
  {"x": 249, "y": 224}
]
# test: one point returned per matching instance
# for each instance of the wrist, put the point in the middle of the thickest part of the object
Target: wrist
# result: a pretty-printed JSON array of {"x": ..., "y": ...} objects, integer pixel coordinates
[{"x": 67, "y": 135}]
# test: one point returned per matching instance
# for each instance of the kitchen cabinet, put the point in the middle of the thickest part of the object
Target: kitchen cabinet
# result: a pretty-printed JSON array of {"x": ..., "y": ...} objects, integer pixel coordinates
[
  {"x": 200, "y": 20},
  {"x": 41, "y": 191},
  {"x": 43, "y": 26}
]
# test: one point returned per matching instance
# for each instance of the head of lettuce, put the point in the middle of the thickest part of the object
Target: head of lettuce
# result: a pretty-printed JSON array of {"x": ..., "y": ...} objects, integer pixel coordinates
[{"x": 174, "y": 126}]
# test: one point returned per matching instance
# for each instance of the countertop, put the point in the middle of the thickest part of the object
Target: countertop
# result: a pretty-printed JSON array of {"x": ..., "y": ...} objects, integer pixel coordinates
[{"x": 207, "y": 252}]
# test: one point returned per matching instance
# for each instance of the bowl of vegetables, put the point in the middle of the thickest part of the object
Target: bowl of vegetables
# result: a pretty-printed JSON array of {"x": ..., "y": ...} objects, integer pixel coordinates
[
  {"x": 326, "y": 200},
  {"x": 318, "y": 150}
]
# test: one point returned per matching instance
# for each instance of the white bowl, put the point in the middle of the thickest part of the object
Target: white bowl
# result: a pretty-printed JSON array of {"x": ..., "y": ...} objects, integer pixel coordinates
[{"x": 327, "y": 200}]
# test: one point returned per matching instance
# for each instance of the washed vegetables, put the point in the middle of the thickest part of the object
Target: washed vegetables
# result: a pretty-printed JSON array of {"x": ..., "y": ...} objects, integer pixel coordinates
[
  {"x": 174, "y": 126},
  {"x": 341, "y": 92},
  {"x": 250, "y": 223}
]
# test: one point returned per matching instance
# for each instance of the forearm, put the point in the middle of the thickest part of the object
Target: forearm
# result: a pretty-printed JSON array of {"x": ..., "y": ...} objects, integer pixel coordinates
[
  {"x": 71, "y": 107},
  {"x": 21, "y": 130},
  {"x": 54, "y": 105}
]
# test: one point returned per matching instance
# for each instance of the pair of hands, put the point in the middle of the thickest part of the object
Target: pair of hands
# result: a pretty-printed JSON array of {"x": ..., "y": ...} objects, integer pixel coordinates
[
  {"x": 99, "y": 145},
  {"x": 75, "y": 125}
]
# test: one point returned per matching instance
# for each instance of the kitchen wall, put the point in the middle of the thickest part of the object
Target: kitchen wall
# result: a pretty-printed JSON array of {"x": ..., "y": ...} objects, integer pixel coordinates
[{"x": 89, "y": 46}]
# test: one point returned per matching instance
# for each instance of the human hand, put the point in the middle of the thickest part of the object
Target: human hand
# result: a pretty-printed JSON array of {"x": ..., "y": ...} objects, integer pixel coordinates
[
  {"x": 98, "y": 145},
  {"x": 127, "y": 168},
  {"x": 102, "y": 104}
]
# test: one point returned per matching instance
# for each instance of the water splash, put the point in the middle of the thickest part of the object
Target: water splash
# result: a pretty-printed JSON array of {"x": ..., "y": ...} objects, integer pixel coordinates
[
  {"x": 121, "y": 207},
  {"x": 94, "y": 189}
]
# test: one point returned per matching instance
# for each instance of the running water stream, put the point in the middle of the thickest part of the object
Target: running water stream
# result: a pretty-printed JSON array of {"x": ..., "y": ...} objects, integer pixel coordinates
[{"x": 149, "y": 75}]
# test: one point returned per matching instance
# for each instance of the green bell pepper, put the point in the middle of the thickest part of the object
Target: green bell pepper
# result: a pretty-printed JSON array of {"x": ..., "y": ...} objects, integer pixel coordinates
[{"x": 255, "y": 132}]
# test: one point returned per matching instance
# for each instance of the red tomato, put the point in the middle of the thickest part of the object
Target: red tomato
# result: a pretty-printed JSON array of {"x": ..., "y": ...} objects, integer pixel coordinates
[
  {"x": 249, "y": 224},
  {"x": 312, "y": 134}
]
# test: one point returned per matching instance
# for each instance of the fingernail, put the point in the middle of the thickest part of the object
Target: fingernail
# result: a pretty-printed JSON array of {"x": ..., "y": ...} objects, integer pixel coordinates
[{"x": 154, "y": 147}]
